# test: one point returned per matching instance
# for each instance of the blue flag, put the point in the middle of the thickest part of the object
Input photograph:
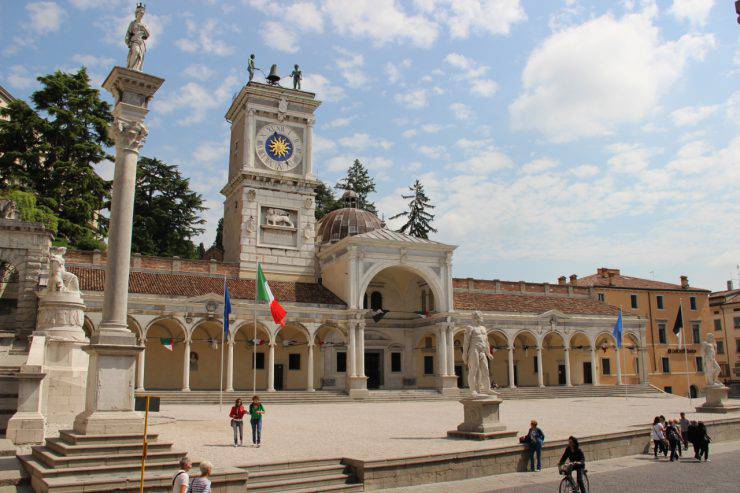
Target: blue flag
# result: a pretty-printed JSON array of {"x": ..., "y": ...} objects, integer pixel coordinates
[
  {"x": 227, "y": 311},
  {"x": 617, "y": 332}
]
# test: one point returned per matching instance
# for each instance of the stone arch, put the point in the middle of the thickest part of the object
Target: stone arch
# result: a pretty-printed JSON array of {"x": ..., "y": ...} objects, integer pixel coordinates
[
  {"x": 246, "y": 328},
  {"x": 525, "y": 344},
  {"x": 88, "y": 326},
  {"x": 581, "y": 371},
  {"x": 425, "y": 358},
  {"x": 163, "y": 368},
  {"x": 426, "y": 274},
  {"x": 22, "y": 266},
  {"x": 244, "y": 351},
  {"x": 205, "y": 355},
  {"x": 606, "y": 355},
  {"x": 135, "y": 327},
  {"x": 172, "y": 322},
  {"x": 553, "y": 358},
  {"x": 327, "y": 328}
]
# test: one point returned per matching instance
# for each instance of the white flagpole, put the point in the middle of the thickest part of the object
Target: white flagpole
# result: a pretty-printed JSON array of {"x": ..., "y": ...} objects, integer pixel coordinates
[
  {"x": 685, "y": 352},
  {"x": 619, "y": 351},
  {"x": 221, "y": 378},
  {"x": 254, "y": 341}
]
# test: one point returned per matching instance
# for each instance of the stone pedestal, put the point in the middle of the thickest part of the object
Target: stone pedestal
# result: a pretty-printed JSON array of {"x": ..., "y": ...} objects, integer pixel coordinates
[
  {"x": 716, "y": 401},
  {"x": 27, "y": 424},
  {"x": 481, "y": 419},
  {"x": 357, "y": 387},
  {"x": 447, "y": 385}
]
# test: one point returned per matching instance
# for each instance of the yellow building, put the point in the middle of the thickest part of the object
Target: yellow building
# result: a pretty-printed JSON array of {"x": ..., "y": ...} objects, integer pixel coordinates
[
  {"x": 670, "y": 368},
  {"x": 725, "y": 313}
]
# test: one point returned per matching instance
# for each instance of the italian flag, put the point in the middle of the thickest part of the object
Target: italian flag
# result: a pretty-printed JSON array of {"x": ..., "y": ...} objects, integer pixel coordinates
[{"x": 265, "y": 294}]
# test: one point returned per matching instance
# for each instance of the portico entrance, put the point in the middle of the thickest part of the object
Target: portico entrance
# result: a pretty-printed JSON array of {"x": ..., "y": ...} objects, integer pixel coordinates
[{"x": 374, "y": 368}]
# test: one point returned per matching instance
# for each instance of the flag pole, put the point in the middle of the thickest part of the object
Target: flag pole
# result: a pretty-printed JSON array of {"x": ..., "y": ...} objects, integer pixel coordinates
[
  {"x": 221, "y": 378},
  {"x": 619, "y": 351},
  {"x": 685, "y": 352},
  {"x": 254, "y": 341}
]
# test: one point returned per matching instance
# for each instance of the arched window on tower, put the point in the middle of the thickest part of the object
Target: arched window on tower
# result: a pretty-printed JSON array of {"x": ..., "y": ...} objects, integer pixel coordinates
[{"x": 376, "y": 301}]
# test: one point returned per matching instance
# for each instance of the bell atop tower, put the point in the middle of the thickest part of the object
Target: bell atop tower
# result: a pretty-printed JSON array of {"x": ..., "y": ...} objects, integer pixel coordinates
[{"x": 273, "y": 78}]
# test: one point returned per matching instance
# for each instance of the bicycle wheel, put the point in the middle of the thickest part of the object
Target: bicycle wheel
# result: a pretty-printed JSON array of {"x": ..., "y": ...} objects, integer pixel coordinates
[
  {"x": 566, "y": 486},
  {"x": 586, "y": 483}
]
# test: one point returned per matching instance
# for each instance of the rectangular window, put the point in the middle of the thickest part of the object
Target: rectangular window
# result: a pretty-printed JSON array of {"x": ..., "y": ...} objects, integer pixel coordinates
[
  {"x": 692, "y": 302},
  {"x": 535, "y": 364},
  {"x": 666, "y": 365},
  {"x": 720, "y": 347},
  {"x": 668, "y": 390},
  {"x": 717, "y": 324},
  {"x": 294, "y": 361},
  {"x": 341, "y": 362},
  {"x": 736, "y": 322},
  {"x": 659, "y": 300},
  {"x": 633, "y": 300},
  {"x": 396, "y": 362},
  {"x": 699, "y": 364},
  {"x": 606, "y": 367},
  {"x": 661, "y": 333},
  {"x": 428, "y": 365},
  {"x": 601, "y": 297},
  {"x": 696, "y": 332},
  {"x": 260, "y": 361}
]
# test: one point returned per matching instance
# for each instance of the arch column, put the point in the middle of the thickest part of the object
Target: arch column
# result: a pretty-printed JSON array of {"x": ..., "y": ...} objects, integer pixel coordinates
[
  {"x": 186, "y": 367},
  {"x": 230, "y": 366},
  {"x": 540, "y": 376},
  {"x": 594, "y": 371},
  {"x": 511, "y": 368},
  {"x": 140, "y": 362},
  {"x": 351, "y": 361},
  {"x": 360, "y": 339},
  {"x": 271, "y": 368},
  {"x": 442, "y": 351},
  {"x": 357, "y": 383},
  {"x": 451, "y": 352},
  {"x": 309, "y": 383},
  {"x": 566, "y": 352},
  {"x": 446, "y": 379},
  {"x": 643, "y": 365}
]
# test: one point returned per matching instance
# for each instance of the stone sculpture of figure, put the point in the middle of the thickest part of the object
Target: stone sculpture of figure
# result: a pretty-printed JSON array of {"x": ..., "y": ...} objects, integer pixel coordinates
[
  {"x": 297, "y": 77},
  {"x": 250, "y": 67},
  {"x": 278, "y": 217},
  {"x": 476, "y": 353},
  {"x": 9, "y": 210},
  {"x": 136, "y": 36},
  {"x": 712, "y": 369},
  {"x": 59, "y": 279}
]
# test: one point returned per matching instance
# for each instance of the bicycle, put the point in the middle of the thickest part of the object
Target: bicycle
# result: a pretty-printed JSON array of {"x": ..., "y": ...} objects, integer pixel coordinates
[{"x": 568, "y": 484}]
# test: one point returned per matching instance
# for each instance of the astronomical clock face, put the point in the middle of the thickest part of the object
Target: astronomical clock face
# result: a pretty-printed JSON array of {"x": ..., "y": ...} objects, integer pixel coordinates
[{"x": 279, "y": 147}]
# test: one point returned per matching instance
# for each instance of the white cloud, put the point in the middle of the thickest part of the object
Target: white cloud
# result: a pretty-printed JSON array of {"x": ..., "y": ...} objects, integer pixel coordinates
[
  {"x": 305, "y": 16},
  {"x": 484, "y": 16},
  {"x": 194, "y": 100},
  {"x": 341, "y": 162},
  {"x": 324, "y": 89},
  {"x": 395, "y": 70},
  {"x": 585, "y": 171},
  {"x": 91, "y": 61},
  {"x": 695, "y": 12},
  {"x": 484, "y": 87},
  {"x": 283, "y": 33},
  {"x": 414, "y": 99},
  {"x": 339, "y": 122},
  {"x": 322, "y": 144},
  {"x": 461, "y": 111},
  {"x": 360, "y": 141},
  {"x": 45, "y": 17},
  {"x": 431, "y": 128},
  {"x": 630, "y": 158},
  {"x": 587, "y": 79},
  {"x": 202, "y": 39},
  {"x": 211, "y": 153},
  {"x": 198, "y": 71},
  {"x": 471, "y": 72},
  {"x": 539, "y": 165},
  {"x": 383, "y": 21},
  {"x": 482, "y": 157},
  {"x": 433, "y": 152},
  {"x": 350, "y": 67},
  {"x": 691, "y": 115},
  {"x": 20, "y": 78},
  {"x": 409, "y": 133}
]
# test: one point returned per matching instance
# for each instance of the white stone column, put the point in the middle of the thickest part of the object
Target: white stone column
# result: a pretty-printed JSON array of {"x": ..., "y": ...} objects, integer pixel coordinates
[
  {"x": 511, "y": 368},
  {"x": 250, "y": 131},
  {"x": 109, "y": 399},
  {"x": 271, "y": 368},
  {"x": 351, "y": 351},
  {"x": 566, "y": 352},
  {"x": 594, "y": 370},
  {"x": 643, "y": 366},
  {"x": 450, "y": 351},
  {"x": 186, "y": 367},
  {"x": 141, "y": 362},
  {"x": 361, "y": 349},
  {"x": 230, "y": 366},
  {"x": 308, "y": 146},
  {"x": 441, "y": 351},
  {"x": 540, "y": 376},
  {"x": 618, "y": 353},
  {"x": 309, "y": 384}
]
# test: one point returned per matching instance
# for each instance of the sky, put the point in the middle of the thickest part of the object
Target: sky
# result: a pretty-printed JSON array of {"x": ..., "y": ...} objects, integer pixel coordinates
[{"x": 553, "y": 136}]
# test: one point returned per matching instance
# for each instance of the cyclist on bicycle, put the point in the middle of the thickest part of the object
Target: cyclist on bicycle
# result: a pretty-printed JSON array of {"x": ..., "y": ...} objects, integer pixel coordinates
[{"x": 576, "y": 461}]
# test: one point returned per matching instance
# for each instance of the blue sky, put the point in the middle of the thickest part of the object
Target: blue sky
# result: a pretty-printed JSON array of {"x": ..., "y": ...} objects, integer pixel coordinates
[{"x": 554, "y": 136}]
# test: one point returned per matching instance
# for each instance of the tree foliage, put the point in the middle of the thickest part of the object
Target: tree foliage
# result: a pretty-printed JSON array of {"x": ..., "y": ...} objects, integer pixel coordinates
[
  {"x": 166, "y": 211},
  {"x": 326, "y": 201},
  {"x": 418, "y": 219},
  {"x": 51, "y": 151},
  {"x": 358, "y": 180},
  {"x": 28, "y": 209},
  {"x": 219, "y": 241}
]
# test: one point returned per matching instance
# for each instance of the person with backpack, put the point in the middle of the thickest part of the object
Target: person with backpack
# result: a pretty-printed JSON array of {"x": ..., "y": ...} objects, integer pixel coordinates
[
  {"x": 674, "y": 438},
  {"x": 534, "y": 439},
  {"x": 181, "y": 480},
  {"x": 657, "y": 435}
]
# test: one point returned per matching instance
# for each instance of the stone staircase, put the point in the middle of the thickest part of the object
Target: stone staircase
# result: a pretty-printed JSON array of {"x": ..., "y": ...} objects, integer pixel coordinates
[
  {"x": 326, "y": 396},
  {"x": 307, "y": 476},
  {"x": 74, "y": 463}
]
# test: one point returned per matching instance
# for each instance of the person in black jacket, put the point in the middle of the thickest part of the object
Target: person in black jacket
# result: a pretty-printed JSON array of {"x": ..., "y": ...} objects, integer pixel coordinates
[
  {"x": 577, "y": 461},
  {"x": 702, "y": 438},
  {"x": 534, "y": 439}
]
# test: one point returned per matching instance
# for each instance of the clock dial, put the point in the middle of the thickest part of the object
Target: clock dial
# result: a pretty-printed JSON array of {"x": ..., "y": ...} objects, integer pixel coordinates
[{"x": 279, "y": 147}]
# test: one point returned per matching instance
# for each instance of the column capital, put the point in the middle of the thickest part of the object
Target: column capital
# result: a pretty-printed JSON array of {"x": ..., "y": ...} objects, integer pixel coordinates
[{"x": 129, "y": 134}]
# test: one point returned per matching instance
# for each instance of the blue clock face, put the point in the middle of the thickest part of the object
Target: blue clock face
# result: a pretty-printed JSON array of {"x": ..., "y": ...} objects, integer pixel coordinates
[{"x": 278, "y": 147}]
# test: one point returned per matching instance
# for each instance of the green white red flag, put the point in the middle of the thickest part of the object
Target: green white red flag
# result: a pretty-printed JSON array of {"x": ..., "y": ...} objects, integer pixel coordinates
[{"x": 265, "y": 294}]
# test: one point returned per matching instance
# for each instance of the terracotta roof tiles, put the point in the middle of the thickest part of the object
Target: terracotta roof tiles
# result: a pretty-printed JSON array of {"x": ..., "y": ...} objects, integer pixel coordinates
[
  {"x": 502, "y": 302},
  {"x": 620, "y": 281}
]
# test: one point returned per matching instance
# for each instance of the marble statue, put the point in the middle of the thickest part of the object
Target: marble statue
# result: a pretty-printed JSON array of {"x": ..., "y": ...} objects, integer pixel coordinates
[
  {"x": 136, "y": 36},
  {"x": 297, "y": 76},
  {"x": 476, "y": 353},
  {"x": 59, "y": 279},
  {"x": 712, "y": 369},
  {"x": 278, "y": 217},
  {"x": 9, "y": 210}
]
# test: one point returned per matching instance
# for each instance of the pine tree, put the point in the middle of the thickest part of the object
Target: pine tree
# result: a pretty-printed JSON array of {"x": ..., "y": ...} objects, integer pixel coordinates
[
  {"x": 166, "y": 211},
  {"x": 325, "y": 200},
  {"x": 419, "y": 221},
  {"x": 219, "y": 241},
  {"x": 51, "y": 152},
  {"x": 359, "y": 181}
]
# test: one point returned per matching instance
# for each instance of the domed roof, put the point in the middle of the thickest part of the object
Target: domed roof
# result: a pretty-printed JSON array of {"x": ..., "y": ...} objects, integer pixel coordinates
[{"x": 348, "y": 221}]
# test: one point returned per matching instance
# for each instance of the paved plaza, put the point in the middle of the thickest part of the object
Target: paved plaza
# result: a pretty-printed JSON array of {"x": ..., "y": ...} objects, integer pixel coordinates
[{"x": 386, "y": 430}]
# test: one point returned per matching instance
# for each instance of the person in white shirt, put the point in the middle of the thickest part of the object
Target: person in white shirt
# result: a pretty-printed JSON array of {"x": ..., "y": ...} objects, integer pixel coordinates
[
  {"x": 657, "y": 435},
  {"x": 202, "y": 484},
  {"x": 181, "y": 481}
]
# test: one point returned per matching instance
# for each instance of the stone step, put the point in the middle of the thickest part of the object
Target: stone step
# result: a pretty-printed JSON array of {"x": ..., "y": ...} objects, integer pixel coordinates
[
  {"x": 298, "y": 464},
  {"x": 61, "y": 447},
  {"x": 54, "y": 460},
  {"x": 72, "y": 437},
  {"x": 259, "y": 477},
  {"x": 341, "y": 488},
  {"x": 284, "y": 485},
  {"x": 37, "y": 468}
]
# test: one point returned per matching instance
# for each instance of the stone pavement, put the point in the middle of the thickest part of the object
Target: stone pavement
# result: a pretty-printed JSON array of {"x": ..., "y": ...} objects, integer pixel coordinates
[
  {"x": 635, "y": 473},
  {"x": 387, "y": 430}
]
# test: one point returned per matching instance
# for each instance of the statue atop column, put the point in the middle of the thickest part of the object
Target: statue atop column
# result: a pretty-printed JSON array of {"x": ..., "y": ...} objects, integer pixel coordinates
[
  {"x": 251, "y": 68},
  {"x": 59, "y": 279},
  {"x": 476, "y": 353},
  {"x": 297, "y": 76},
  {"x": 136, "y": 36},
  {"x": 712, "y": 369}
]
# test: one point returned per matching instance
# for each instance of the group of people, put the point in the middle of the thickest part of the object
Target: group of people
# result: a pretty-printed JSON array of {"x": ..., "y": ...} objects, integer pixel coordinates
[{"x": 675, "y": 434}]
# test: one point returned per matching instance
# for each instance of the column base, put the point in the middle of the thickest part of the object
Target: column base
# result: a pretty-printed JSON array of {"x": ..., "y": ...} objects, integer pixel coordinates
[
  {"x": 26, "y": 428},
  {"x": 447, "y": 385},
  {"x": 310, "y": 390},
  {"x": 108, "y": 422},
  {"x": 357, "y": 387}
]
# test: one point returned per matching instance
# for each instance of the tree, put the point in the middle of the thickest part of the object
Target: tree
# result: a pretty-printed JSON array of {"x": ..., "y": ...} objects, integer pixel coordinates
[
  {"x": 325, "y": 200},
  {"x": 419, "y": 221},
  {"x": 219, "y": 241},
  {"x": 51, "y": 151},
  {"x": 359, "y": 181},
  {"x": 201, "y": 250},
  {"x": 25, "y": 203},
  {"x": 166, "y": 211}
]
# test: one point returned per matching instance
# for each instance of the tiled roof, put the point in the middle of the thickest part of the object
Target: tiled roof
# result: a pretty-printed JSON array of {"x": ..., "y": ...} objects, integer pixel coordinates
[
  {"x": 728, "y": 295},
  {"x": 530, "y": 304},
  {"x": 620, "y": 281},
  {"x": 386, "y": 234},
  {"x": 189, "y": 285}
]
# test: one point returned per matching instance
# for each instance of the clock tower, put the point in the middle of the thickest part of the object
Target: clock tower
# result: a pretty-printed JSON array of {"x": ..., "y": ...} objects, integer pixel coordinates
[{"x": 269, "y": 206}]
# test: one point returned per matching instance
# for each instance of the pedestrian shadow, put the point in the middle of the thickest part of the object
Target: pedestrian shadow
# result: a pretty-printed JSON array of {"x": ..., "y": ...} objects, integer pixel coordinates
[{"x": 221, "y": 445}]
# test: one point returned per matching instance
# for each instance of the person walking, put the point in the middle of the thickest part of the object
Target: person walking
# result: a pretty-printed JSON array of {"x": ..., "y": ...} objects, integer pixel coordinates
[
  {"x": 237, "y": 421},
  {"x": 684, "y": 425},
  {"x": 181, "y": 480},
  {"x": 691, "y": 436},
  {"x": 674, "y": 439},
  {"x": 256, "y": 411},
  {"x": 576, "y": 462},
  {"x": 702, "y": 438},
  {"x": 202, "y": 484},
  {"x": 657, "y": 435},
  {"x": 535, "y": 438}
]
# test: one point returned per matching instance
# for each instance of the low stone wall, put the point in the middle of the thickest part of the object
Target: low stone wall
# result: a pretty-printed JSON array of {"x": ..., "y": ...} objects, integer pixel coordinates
[{"x": 435, "y": 468}]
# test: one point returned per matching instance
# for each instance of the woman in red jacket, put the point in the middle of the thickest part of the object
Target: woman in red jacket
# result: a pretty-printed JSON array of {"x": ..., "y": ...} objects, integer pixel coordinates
[{"x": 237, "y": 421}]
